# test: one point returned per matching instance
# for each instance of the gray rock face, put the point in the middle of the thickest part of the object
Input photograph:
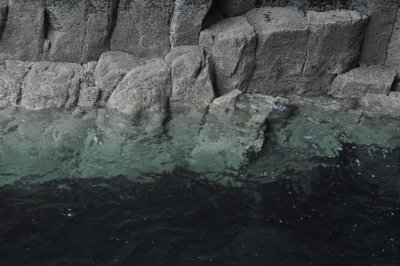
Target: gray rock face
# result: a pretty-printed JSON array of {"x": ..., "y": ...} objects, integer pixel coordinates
[
  {"x": 234, "y": 131},
  {"x": 22, "y": 38},
  {"x": 67, "y": 27},
  {"x": 142, "y": 28},
  {"x": 12, "y": 75},
  {"x": 89, "y": 93},
  {"x": 79, "y": 30},
  {"x": 51, "y": 85},
  {"x": 380, "y": 104},
  {"x": 111, "y": 69},
  {"x": 187, "y": 21},
  {"x": 320, "y": 5},
  {"x": 144, "y": 91},
  {"x": 360, "y": 81},
  {"x": 231, "y": 8},
  {"x": 263, "y": 3},
  {"x": 382, "y": 15},
  {"x": 281, "y": 50},
  {"x": 393, "y": 51},
  {"x": 333, "y": 47},
  {"x": 192, "y": 78},
  {"x": 232, "y": 45}
]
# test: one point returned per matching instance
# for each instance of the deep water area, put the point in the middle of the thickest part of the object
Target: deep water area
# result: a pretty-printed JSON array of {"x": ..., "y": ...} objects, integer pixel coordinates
[{"x": 99, "y": 189}]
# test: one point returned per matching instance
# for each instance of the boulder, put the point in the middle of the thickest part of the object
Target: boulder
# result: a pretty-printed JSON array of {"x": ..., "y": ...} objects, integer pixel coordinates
[
  {"x": 142, "y": 28},
  {"x": 232, "y": 8},
  {"x": 333, "y": 47},
  {"x": 12, "y": 76},
  {"x": 262, "y": 3},
  {"x": 187, "y": 21},
  {"x": 192, "y": 78},
  {"x": 360, "y": 81},
  {"x": 111, "y": 69},
  {"x": 232, "y": 45},
  {"x": 144, "y": 91},
  {"x": 381, "y": 104},
  {"x": 234, "y": 131},
  {"x": 382, "y": 16},
  {"x": 89, "y": 93},
  {"x": 281, "y": 50},
  {"x": 22, "y": 37},
  {"x": 79, "y": 31},
  {"x": 51, "y": 85}
]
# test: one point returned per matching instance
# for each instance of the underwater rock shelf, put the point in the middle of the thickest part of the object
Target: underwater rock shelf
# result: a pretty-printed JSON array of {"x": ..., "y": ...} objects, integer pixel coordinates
[{"x": 231, "y": 66}]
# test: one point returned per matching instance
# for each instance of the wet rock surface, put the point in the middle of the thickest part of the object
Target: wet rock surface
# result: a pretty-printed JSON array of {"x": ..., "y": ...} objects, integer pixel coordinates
[{"x": 363, "y": 80}]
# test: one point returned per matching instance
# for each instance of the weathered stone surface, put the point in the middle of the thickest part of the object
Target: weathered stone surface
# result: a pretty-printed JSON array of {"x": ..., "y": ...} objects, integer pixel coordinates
[
  {"x": 88, "y": 96},
  {"x": 12, "y": 76},
  {"x": 393, "y": 51},
  {"x": 360, "y": 81},
  {"x": 192, "y": 78},
  {"x": 234, "y": 131},
  {"x": 380, "y": 104},
  {"x": 66, "y": 33},
  {"x": 22, "y": 38},
  {"x": 231, "y": 8},
  {"x": 281, "y": 50},
  {"x": 51, "y": 85},
  {"x": 111, "y": 69},
  {"x": 100, "y": 20},
  {"x": 142, "y": 28},
  {"x": 232, "y": 45},
  {"x": 187, "y": 21},
  {"x": 144, "y": 91},
  {"x": 382, "y": 15},
  {"x": 79, "y": 31},
  {"x": 333, "y": 47}
]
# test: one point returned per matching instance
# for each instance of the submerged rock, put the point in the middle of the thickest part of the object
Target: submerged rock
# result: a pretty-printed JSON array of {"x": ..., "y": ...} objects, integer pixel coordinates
[
  {"x": 12, "y": 76},
  {"x": 144, "y": 91},
  {"x": 234, "y": 131},
  {"x": 232, "y": 45},
  {"x": 281, "y": 50},
  {"x": 360, "y": 81},
  {"x": 51, "y": 85}
]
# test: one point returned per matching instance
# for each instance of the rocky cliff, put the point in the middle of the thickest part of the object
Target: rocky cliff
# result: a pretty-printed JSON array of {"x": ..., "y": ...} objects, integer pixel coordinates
[{"x": 143, "y": 57}]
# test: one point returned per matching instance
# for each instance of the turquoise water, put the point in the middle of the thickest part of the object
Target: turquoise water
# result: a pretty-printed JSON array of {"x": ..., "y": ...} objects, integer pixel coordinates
[{"x": 95, "y": 188}]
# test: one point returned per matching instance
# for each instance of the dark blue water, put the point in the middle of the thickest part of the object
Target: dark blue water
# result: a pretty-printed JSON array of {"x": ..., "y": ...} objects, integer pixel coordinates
[{"x": 338, "y": 212}]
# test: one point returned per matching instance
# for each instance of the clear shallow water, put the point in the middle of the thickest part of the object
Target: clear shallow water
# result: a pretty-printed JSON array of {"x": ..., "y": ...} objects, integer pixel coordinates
[{"x": 98, "y": 189}]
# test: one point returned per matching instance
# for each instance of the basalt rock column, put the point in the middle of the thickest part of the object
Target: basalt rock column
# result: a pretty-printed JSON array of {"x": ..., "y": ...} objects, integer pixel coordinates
[
  {"x": 79, "y": 31},
  {"x": 281, "y": 50},
  {"x": 142, "y": 28},
  {"x": 22, "y": 37},
  {"x": 333, "y": 47},
  {"x": 232, "y": 45},
  {"x": 187, "y": 21},
  {"x": 382, "y": 16}
]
